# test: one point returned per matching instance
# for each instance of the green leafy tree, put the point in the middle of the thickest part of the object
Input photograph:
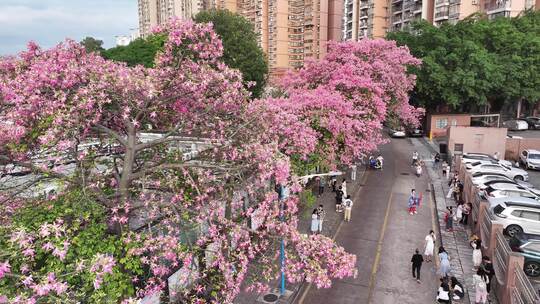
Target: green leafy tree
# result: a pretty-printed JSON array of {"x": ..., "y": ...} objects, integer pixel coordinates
[
  {"x": 140, "y": 51},
  {"x": 475, "y": 62},
  {"x": 92, "y": 45},
  {"x": 240, "y": 48}
]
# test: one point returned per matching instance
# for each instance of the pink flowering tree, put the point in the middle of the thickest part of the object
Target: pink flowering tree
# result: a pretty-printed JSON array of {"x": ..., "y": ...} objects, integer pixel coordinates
[
  {"x": 346, "y": 96},
  {"x": 74, "y": 122},
  {"x": 183, "y": 165}
]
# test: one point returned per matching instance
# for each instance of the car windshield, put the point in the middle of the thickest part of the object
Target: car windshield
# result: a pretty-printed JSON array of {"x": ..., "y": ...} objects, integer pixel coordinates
[{"x": 534, "y": 156}]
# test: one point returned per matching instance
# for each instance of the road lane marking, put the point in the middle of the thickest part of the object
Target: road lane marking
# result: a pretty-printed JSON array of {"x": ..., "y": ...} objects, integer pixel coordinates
[{"x": 379, "y": 249}]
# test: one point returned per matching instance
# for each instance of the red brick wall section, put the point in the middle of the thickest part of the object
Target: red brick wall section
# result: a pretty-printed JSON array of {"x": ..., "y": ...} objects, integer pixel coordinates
[{"x": 514, "y": 146}]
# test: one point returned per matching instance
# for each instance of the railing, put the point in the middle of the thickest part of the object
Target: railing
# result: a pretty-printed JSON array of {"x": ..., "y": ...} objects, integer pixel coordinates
[
  {"x": 523, "y": 292},
  {"x": 491, "y": 6},
  {"x": 485, "y": 230},
  {"x": 500, "y": 257}
]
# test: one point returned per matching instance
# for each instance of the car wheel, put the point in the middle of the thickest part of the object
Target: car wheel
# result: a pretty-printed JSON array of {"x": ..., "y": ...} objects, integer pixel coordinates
[
  {"x": 513, "y": 230},
  {"x": 519, "y": 178},
  {"x": 532, "y": 268}
]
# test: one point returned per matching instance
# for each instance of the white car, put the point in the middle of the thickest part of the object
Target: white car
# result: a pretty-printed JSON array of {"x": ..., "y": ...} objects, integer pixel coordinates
[
  {"x": 397, "y": 132},
  {"x": 494, "y": 201},
  {"x": 484, "y": 181},
  {"x": 530, "y": 159},
  {"x": 517, "y": 217},
  {"x": 469, "y": 158},
  {"x": 510, "y": 172},
  {"x": 516, "y": 125},
  {"x": 507, "y": 190}
]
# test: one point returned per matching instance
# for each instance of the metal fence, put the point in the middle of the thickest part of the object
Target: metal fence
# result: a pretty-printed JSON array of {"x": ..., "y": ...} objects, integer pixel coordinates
[
  {"x": 523, "y": 292},
  {"x": 500, "y": 257}
]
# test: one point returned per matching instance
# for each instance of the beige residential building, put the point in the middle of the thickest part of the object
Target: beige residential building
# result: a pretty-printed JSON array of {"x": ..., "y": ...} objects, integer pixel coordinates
[
  {"x": 156, "y": 12},
  {"x": 290, "y": 31},
  {"x": 508, "y": 8}
]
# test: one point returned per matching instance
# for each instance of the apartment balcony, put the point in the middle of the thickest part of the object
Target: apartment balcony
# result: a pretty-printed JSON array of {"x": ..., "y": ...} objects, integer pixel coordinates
[
  {"x": 396, "y": 1},
  {"x": 364, "y": 4},
  {"x": 396, "y": 20},
  {"x": 441, "y": 3},
  {"x": 364, "y": 16},
  {"x": 495, "y": 7},
  {"x": 441, "y": 16}
]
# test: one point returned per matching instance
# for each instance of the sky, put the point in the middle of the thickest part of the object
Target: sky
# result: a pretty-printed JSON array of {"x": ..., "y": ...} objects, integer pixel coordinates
[{"x": 48, "y": 22}]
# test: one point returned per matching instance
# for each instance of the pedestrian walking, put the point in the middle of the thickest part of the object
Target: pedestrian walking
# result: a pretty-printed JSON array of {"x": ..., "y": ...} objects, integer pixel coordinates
[
  {"x": 416, "y": 261},
  {"x": 466, "y": 212},
  {"x": 445, "y": 169},
  {"x": 459, "y": 212},
  {"x": 418, "y": 169},
  {"x": 457, "y": 289},
  {"x": 353, "y": 172},
  {"x": 436, "y": 161},
  {"x": 334, "y": 183},
  {"x": 477, "y": 253},
  {"x": 444, "y": 265},
  {"x": 322, "y": 184},
  {"x": 412, "y": 202},
  {"x": 449, "y": 219},
  {"x": 429, "y": 246},
  {"x": 490, "y": 272},
  {"x": 314, "y": 222},
  {"x": 344, "y": 187},
  {"x": 320, "y": 217},
  {"x": 443, "y": 294},
  {"x": 339, "y": 199},
  {"x": 480, "y": 281},
  {"x": 414, "y": 158},
  {"x": 348, "y": 203}
]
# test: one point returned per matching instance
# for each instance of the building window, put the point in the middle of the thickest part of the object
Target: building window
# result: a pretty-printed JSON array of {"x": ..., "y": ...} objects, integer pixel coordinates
[
  {"x": 441, "y": 123},
  {"x": 454, "y": 122},
  {"x": 458, "y": 148}
]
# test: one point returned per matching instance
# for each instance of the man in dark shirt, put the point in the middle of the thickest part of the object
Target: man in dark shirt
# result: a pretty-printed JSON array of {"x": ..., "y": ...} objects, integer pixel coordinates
[
  {"x": 490, "y": 271},
  {"x": 417, "y": 261}
]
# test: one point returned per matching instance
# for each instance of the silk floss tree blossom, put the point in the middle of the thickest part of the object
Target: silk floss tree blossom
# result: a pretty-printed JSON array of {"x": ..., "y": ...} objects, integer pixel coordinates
[{"x": 183, "y": 165}]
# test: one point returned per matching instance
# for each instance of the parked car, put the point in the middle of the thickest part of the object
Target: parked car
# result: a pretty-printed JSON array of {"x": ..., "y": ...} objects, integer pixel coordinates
[
  {"x": 510, "y": 172},
  {"x": 483, "y": 181},
  {"x": 398, "y": 132},
  {"x": 530, "y": 159},
  {"x": 516, "y": 125},
  {"x": 474, "y": 157},
  {"x": 508, "y": 191},
  {"x": 529, "y": 246},
  {"x": 415, "y": 132},
  {"x": 516, "y": 217},
  {"x": 533, "y": 122}
]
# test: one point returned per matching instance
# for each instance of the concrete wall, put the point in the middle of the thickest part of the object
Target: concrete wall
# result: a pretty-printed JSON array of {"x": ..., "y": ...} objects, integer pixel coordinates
[
  {"x": 478, "y": 139},
  {"x": 452, "y": 119},
  {"x": 514, "y": 146}
]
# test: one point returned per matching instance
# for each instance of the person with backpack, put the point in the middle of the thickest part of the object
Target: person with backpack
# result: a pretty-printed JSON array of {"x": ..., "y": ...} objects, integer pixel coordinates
[
  {"x": 480, "y": 281},
  {"x": 348, "y": 203}
]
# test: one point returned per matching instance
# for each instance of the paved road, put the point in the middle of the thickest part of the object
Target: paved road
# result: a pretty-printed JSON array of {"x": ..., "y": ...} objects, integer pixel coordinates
[{"x": 384, "y": 236}]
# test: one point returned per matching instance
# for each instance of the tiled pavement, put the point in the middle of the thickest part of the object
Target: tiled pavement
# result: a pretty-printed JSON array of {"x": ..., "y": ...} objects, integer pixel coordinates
[
  {"x": 456, "y": 243},
  {"x": 331, "y": 223}
]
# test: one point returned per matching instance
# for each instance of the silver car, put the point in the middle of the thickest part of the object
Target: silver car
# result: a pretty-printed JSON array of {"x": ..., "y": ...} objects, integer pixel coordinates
[
  {"x": 468, "y": 158},
  {"x": 510, "y": 172},
  {"x": 517, "y": 218}
]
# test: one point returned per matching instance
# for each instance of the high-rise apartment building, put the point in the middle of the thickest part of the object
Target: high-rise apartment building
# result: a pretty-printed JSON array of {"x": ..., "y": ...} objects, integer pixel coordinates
[
  {"x": 507, "y": 8},
  {"x": 290, "y": 31},
  {"x": 155, "y": 12},
  {"x": 403, "y": 12},
  {"x": 365, "y": 18}
]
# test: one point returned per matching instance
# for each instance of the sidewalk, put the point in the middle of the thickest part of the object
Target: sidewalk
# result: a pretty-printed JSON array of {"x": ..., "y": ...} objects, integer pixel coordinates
[
  {"x": 456, "y": 243},
  {"x": 331, "y": 224}
]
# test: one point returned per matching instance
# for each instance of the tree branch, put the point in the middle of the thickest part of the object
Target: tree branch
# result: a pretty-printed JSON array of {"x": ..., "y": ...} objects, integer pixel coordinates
[{"x": 115, "y": 135}]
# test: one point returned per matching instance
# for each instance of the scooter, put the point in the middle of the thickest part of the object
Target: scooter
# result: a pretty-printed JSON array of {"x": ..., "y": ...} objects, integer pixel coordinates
[{"x": 374, "y": 163}]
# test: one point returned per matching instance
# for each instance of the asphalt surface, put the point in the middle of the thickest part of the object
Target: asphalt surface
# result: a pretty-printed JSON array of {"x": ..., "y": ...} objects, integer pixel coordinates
[{"x": 383, "y": 236}]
